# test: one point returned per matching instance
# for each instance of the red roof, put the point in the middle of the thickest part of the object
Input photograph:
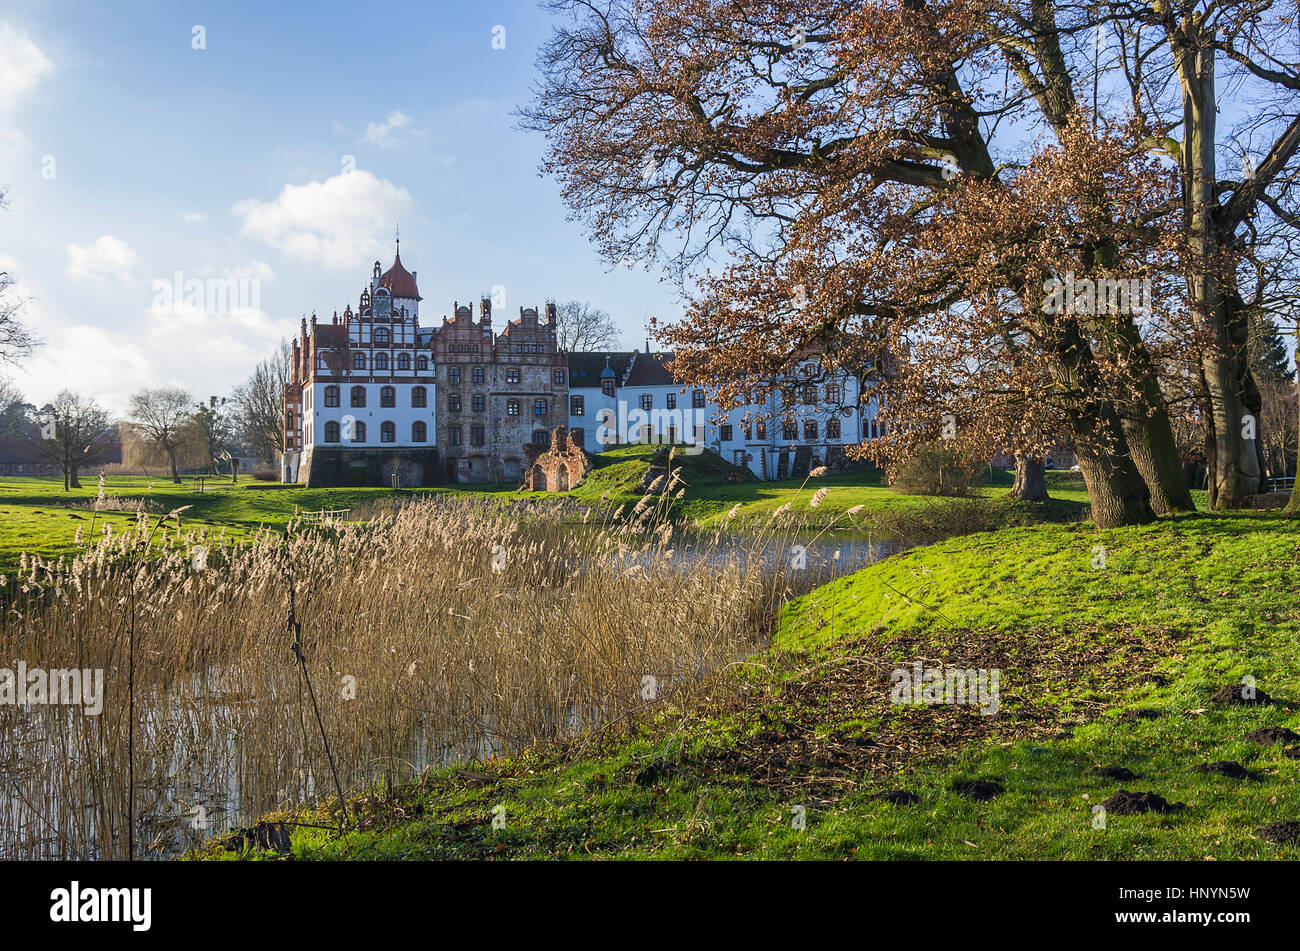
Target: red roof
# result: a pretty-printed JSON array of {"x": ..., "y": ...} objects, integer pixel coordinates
[{"x": 399, "y": 281}]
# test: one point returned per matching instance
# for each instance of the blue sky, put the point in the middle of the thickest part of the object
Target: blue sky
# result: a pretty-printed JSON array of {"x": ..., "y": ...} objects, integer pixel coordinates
[{"x": 284, "y": 151}]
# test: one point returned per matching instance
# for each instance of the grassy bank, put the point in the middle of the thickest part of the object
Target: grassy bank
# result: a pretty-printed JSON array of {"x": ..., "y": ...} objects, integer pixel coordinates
[{"x": 1110, "y": 646}]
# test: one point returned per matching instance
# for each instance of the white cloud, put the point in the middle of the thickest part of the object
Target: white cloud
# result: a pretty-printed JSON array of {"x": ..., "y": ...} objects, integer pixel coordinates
[
  {"x": 186, "y": 346},
  {"x": 22, "y": 64},
  {"x": 383, "y": 134},
  {"x": 337, "y": 223},
  {"x": 103, "y": 258},
  {"x": 195, "y": 218}
]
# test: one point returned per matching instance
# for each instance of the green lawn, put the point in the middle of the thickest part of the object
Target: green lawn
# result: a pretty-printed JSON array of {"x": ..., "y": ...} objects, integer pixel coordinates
[{"x": 1084, "y": 626}]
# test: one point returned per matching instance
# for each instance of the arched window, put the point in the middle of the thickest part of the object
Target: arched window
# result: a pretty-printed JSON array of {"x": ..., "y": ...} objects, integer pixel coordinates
[
  {"x": 381, "y": 361},
  {"x": 418, "y": 432},
  {"x": 419, "y": 396},
  {"x": 403, "y": 361},
  {"x": 331, "y": 431},
  {"x": 381, "y": 335},
  {"x": 387, "y": 396},
  {"x": 331, "y": 396},
  {"x": 358, "y": 396},
  {"x": 422, "y": 363},
  {"x": 358, "y": 431},
  {"x": 387, "y": 432},
  {"x": 358, "y": 361}
]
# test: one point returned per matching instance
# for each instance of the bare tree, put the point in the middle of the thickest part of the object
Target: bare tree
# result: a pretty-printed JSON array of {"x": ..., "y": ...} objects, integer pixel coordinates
[
  {"x": 259, "y": 404},
  {"x": 581, "y": 328},
  {"x": 77, "y": 433},
  {"x": 16, "y": 339},
  {"x": 162, "y": 415}
]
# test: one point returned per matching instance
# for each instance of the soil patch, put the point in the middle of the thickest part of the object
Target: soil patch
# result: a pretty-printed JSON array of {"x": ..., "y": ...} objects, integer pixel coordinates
[{"x": 1125, "y": 803}]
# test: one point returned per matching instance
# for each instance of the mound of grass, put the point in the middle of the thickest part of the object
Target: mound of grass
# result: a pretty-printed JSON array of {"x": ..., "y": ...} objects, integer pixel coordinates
[{"x": 1109, "y": 645}]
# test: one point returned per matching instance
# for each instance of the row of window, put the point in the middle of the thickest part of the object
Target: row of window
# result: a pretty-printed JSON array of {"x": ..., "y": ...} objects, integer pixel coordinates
[
  {"x": 541, "y": 408},
  {"x": 512, "y": 375},
  {"x": 403, "y": 362},
  {"x": 387, "y": 396},
  {"x": 356, "y": 431}
]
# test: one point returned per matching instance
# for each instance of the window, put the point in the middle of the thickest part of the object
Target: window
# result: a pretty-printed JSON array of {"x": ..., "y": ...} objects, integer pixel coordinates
[
  {"x": 512, "y": 407},
  {"x": 579, "y": 436},
  {"x": 453, "y": 436},
  {"x": 419, "y": 396},
  {"x": 331, "y": 396},
  {"x": 358, "y": 430},
  {"x": 647, "y": 401},
  {"x": 422, "y": 363},
  {"x": 699, "y": 435},
  {"x": 607, "y": 387},
  {"x": 749, "y": 432},
  {"x": 358, "y": 361},
  {"x": 419, "y": 433},
  {"x": 453, "y": 403},
  {"x": 810, "y": 394},
  {"x": 476, "y": 436},
  {"x": 833, "y": 394},
  {"x": 381, "y": 361},
  {"x": 541, "y": 437},
  {"x": 512, "y": 376},
  {"x": 403, "y": 361},
  {"x": 789, "y": 431},
  {"x": 559, "y": 376},
  {"x": 476, "y": 375},
  {"x": 761, "y": 428},
  {"x": 671, "y": 400},
  {"x": 724, "y": 433},
  {"x": 539, "y": 408},
  {"x": 358, "y": 396},
  {"x": 387, "y": 432},
  {"x": 387, "y": 397},
  {"x": 810, "y": 429},
  {"x": 381, "y": 335},
  {"x": 697, "y": 399},
  {"x": 453, "y": 374},
  {"x": 477, "y": 402},
  {"x": 331, "y": 431},
  {"x": 832, "y": 429},
  {"x": 577, "y": 406}
]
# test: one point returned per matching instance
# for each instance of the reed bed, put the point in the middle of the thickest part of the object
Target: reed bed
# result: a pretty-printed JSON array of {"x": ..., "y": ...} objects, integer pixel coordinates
[{"x": 441, "y": 631}]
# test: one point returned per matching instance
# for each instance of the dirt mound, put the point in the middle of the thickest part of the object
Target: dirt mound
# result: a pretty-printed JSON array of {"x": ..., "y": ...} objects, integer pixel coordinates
[
  {"x": 1283, "y": 832},
  {"x": 1140, "y": 713},
  {"x": 1115, "y": 772},
  {"x": 897, "y": 797},
  {"x": 981, "y": 790},
  {"x": 1125, "y": 803},
  {"x": 1272, "y": 735},
  {"x": 1225, "y": 767},
  {"x": 1241, "y": 694}
]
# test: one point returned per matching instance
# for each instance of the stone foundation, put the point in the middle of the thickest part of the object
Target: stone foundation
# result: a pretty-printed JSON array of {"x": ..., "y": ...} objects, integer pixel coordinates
[{"x": 400, "y": 468}]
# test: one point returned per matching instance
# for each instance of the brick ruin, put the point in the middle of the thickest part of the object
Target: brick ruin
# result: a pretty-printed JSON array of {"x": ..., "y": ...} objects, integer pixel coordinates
[{"x": 559, "y": 468}]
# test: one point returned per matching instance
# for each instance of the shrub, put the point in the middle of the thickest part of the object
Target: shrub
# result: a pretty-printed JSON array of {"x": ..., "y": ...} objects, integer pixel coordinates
[{"x": 938, "y": 472}]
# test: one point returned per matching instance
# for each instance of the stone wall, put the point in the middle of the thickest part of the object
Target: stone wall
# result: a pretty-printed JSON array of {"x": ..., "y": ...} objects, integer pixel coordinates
[
  {"x": 558, "y": 469},
  {"x": 333, "y": 468}
]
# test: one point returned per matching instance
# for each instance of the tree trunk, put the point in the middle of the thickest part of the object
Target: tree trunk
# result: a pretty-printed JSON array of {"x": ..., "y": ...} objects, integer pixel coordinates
[
  {"x": 72, "y": 478},
  {"x": 1116, "y": 489},
  {"x": 171, "y": 457},
  {"x": 1231, "y": 429},
  {"x": 1031, "y": 482}
]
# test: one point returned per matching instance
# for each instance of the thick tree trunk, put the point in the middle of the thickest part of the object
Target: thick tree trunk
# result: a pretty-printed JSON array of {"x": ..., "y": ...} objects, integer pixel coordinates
[
  {"x": 1231, "y": 428},
  {"x": 176, "y": 475},
  {"x": 1031, "y": 482},
  {"x": 1117, "y": 491},
  {"x": 72, "y": 478}
]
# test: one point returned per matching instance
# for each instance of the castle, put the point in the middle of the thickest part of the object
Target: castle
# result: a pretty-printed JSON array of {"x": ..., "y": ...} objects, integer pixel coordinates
[{"x": 376, "y": 399}]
